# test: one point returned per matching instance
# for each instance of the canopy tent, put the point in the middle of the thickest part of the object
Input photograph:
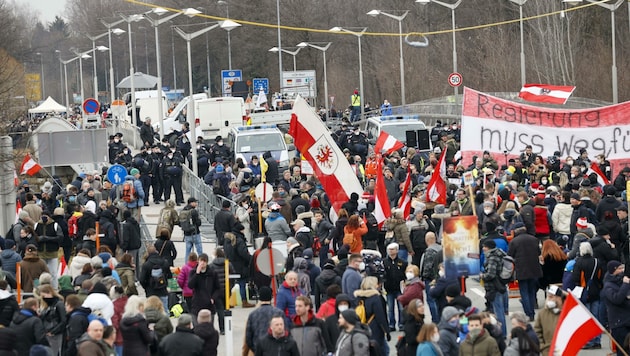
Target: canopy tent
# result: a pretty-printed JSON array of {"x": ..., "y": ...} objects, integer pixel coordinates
[
  {"x": 49, "y": 105},
  {"x": 140, "y": 81}
]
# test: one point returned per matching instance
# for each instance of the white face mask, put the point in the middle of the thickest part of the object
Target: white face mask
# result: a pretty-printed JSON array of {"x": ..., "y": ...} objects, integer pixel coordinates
[
  {"x": 246, "y": 206},
  {"x": 409, "y": 275},
  {"x": 342, "y": 307},
  {"x": 570, "y": 163},
  {"x": 361, "y": 266},
  {"x": 441, "y": 273},
  {"x": 550, "y": 304},
  {"x": 487, "y": 211},
  {"x": 435, "y": 337}
]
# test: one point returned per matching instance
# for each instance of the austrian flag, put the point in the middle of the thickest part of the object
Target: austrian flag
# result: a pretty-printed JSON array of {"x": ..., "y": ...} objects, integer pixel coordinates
[
  {"x": 575, "y": 328},
  {"x": 386, "y": 144},
  {"x": 29, "y": 166},
  {"x": 544, "y": 93}
]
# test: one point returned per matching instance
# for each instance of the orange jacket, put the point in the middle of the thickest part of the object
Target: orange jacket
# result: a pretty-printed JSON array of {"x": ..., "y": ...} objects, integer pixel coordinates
[
  {"x": 352, "y": 237},
  {"x": 370, "y": 168}
]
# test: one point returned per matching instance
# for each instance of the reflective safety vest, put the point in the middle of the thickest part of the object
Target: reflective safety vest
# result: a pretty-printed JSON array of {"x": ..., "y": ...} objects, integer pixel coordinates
[{"x": 356, "y": 100}]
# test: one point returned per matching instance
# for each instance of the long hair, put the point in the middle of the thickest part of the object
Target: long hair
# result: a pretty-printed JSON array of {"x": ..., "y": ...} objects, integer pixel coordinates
[
  {"x": 525, "y": 344},
  {"x": 353, "y": 222},
  {"x": 550, "y": 248},
  {"x": 132, "y": 308},
  {"x": 342, "y": 213},
  {"x": 412, "y": 309},
  {"x": 426, "y": 332}
]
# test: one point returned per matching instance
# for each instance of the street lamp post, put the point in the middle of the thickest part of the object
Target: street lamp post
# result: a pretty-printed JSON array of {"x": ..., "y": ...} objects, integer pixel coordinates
[
  {"x": 323, "y": 49},
  {"x": 134, "y": 119},
  {"x": 452, "y": 7},
  {"x": 191, "y": 103},
  {"x": 116, "y": 31},
  {"x": 400, "y": 19},
  {"x": 520, "y": 4},
  {"x": 155, "y": 23},
  {"x": 60, "y": 75},
  {"x": 229, "y": 25},
  {"x": 93, "y": 39},
  {"x": 85, "y": 55},
  {"x": 279, "y": 46},
  {"x": 358, "y": 32},
  {"x": 65, "y": 73},
  {"x": 41, "y": 62},
  {"x": 293, "y": 53},
  {"x": 612, "y": 8}
]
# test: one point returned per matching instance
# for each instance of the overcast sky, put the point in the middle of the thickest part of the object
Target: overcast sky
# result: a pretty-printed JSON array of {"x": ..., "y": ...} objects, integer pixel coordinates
[{"x": 47, "y": 9}]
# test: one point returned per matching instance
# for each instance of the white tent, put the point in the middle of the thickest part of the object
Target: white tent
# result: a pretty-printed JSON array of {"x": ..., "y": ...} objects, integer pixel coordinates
[{"x": 48, "y": 106}]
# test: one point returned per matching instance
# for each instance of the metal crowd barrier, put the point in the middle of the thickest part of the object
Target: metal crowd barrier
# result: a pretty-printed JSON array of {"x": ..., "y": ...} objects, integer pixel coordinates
[{"x": 208, "y": 202}]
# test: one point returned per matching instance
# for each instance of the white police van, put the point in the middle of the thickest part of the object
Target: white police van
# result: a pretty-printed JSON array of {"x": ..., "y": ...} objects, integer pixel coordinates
[
  {"x": 406, "y": 128},
  {"x": 248, "y": 141}
]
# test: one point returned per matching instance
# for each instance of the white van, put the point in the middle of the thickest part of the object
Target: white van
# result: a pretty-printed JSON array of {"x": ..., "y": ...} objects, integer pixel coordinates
[
  {"x": 176, "y": 118},
  {"x": 406, "y": 128},
  {"x": 215, "y": 116},
  {"x": 248, "y": 141}
]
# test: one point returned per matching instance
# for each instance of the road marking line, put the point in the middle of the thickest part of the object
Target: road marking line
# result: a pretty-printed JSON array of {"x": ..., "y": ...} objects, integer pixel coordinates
[{"x": 479, "y": 292}]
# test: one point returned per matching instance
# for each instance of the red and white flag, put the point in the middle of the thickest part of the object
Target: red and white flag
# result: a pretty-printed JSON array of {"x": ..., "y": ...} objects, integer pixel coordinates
[
  {"x": 16, "y": 179},
  {"x": 62, "y": 269},
  {"x": 545, "y": 93},
  {"x": 405, "y": 199},
  {"x": 601, "y": 177},
  {"x": 312, "y": 139},
  {"x": 382, "y": 210},
  {"x": 29, "y": 166},
  {"x": 436, "y": 190},
  {"x": 386, "y": 144},
  {"x": 575, "y": 328},
  {"x": 18, "y": 209}
]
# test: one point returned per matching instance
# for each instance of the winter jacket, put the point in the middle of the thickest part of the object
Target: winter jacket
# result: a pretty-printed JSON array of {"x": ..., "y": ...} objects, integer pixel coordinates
[
  {"x": 127, "y": 278},
  {"x": 277, "y": 227},
  {"x": 394, "y": 273},
  {"x": 54, "y": 317},
  {"x": 376, "y": 306},
  {"x": 119, "y": 308},
  {"x": 354, "y": 343},
  {"x": 448, "y": 339},
  {"x": 412, "y": 328},
  {"x": 270, "y": 346},
  {"x": 76, "y": 324},
  {"x": 8, "y": 307},
  {"x": 236, "y": 251},
  {"x": 581, "y": 275},
  {"x": 492, "y": 268},
  {"x": 32, "y": 268},
  {"x": 210, "y": 337},
  {"x": 162, "y": 322},
  {"x": 309, "y": 336},
  {"x": 524, "y": 249},
  {"x": 285, "y": 299},
  {"x": 218, "y": 265},
  {"x": 136, "y": 335},
  {"x": 401, "y": 233},
  {"x": 50, "y": 236},
  {"x": 617, "y": 304},
  {"x": 513, "y": 349},
  {"x": 137, "y": 185},
  {"x": 108, "y": 225},
  {"x": 545, "y": 327},
  {"x": 484, "y": 344},
  {"x": 561, "y": 218},
  {"x": 258, "y": 323},
  {"x": 428, "y": 348},
  {"x": 325, "y": 279},
  {"x": 528, "y": 216},
  {"x": 206, "y": 289},
  {"x": 182, "y": 278},
  {"x": 332, "y": 323},
  {"x": 552, "y": 272},
  {"x": 145, "y": 275},
  {"x": 90, "y": 347},
  {"x": 608, "y": 204},
  {"x": 131, "y": 237},
  {"x": 182, "y": 342},
  {"x": 354, "y": 237},
  {"x": 99, "y": 301},
  {"x": 603, "y": 251},
  {"x": 166, "y": 249},
  {"x": 8, "y": 259},
  {"x": 29, "y": 329},
  {"x": 326, "y": 309},
  {"x": 413, "y": 289},
  {"x": 351, "y": 282},
  {"x": 224, "y": 222},
  {"x": 76, "y": 266}
]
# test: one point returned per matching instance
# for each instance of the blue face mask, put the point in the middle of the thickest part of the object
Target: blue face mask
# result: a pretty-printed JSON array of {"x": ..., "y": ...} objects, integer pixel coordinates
[{"x": 453, "y": 323}]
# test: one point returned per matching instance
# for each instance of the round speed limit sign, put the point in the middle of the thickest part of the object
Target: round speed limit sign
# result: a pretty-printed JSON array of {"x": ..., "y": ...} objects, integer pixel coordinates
[{"x": 455, "y": 79}]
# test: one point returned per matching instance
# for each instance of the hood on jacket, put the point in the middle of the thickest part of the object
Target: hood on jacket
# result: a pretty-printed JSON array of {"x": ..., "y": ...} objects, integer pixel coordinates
[
  {"x": 274, "y": 215},
  {"x": 300, "y": 264},
  {"x": 129, "y": 321},
  {"x": 218, "y": 261},
  {"x": 366, "y": 293},
  {"x": 22, "y": 316},
  {"x": 7, "y": 253},
  {"x": 170, "y": 203},
  {"x": 65, "y": 283},
  {"x": 31, "y": 256},
  {"x": 297, "y": 321},
  {"x": 341, "y": 298}
]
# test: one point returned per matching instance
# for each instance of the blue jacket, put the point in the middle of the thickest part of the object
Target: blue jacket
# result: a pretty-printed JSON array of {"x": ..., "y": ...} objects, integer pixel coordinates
[
  {"x": 139, "y": 191},
  {"x": 285, "y": 300},
  {"x": 427, "y": 348},
  {"x": 351, "y": 282}
]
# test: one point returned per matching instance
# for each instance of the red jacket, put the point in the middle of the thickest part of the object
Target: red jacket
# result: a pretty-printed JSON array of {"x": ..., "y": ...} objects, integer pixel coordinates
[
  {"x": 412, "y": 290},
  {"x": 326, "y": 309},
  {"x": 541, "y": 222}
]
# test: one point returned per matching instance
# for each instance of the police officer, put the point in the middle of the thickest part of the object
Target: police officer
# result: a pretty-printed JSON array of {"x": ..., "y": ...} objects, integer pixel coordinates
[
  {"x": 171, "y": 168},
  {"x": 157, "y": 179},
  {"x": 144, "y": 164},
  {"x": 115, "y": 147},
  {"x": 357, "y": 143},
  {"x": 219, "y": 150}
]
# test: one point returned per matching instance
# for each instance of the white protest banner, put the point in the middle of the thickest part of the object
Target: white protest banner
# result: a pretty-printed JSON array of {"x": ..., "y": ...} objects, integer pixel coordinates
[{"x": 498, "y": 125}]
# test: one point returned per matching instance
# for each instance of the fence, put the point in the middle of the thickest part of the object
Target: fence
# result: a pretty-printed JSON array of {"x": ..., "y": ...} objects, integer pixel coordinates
[{"x": 208, "y": 203}]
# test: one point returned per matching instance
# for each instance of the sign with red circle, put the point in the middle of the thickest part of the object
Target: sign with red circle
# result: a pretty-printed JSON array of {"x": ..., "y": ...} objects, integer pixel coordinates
[
  {"x": 91, "y": 106},
  {"x": 455, "y": 79}
]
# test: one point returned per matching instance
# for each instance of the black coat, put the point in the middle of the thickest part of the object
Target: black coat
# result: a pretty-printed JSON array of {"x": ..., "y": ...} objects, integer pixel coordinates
[
  {"x": 136, "y": 336},
  {"x": 618, "y": 305},
  {"x": 7, "y": 342},
  {"x": 238, "y": 255},
  {"x": 210, "y": 337},
  {"x": 145, "y": 275},
  {"x": 30, "y": 331},
  {"x": 76, "y": 324},
  {"x": 131, "y": 238},
  {"x": 602, "y": 251},
  {"x": 412, "y": 328},
  {"x": 182, "y": 342},
  {"x": 169, "y": 252},
  {"x": 224, "y": 222},
  {"x": 8, "y": 308},
  {"x": 524, "y": 248},
  {"x": 206, "y": 288},
  {"x": 325, "y": 279},
  {"x": 583, "y": 270},
  {"x": 270, "y": 346}
]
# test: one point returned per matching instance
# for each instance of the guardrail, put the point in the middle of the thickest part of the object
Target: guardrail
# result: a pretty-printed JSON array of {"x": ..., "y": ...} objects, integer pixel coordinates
[{"x": 208, "y": 203}]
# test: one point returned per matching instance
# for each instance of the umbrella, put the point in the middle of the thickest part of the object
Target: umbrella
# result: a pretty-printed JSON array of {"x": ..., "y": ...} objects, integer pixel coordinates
[{"x": 140, "y": 81}]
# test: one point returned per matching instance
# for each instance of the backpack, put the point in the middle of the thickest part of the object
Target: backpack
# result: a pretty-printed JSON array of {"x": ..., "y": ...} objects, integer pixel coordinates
[
  {"x": 129, "y": 194},
  {"x": 373, "y": 348},
  {"x": 247, "y": 177},
  {"x": 362, "y": 313},
  {"x": 217, "y": 187},
  {"x": 186, "y": 223},
  {"x": 158, "y": 280},
  {"x": 429, "y": 264},
  {"x": 508, "y": 271}
]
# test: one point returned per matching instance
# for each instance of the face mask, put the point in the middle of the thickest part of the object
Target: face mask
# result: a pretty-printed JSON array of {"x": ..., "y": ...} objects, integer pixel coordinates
[
  {"x": 342, "y": 307},
  {"x": 116, "y": 140},
  {"x": 220, "y": 143},
  {"x": 493, "y": 320},
  {"x": 454, "y": 127},
  {"x": 572, "y": 175},
  {"x": 435, "y": 337},
  {"x": 453, "y": 323},
  {"x": 27, "y": 189},
  {"x": 44, "y": 219},
  {"x": 72, "y": 198},
  {"x": 198, "y": 146},
  {"x": 441, "y": 273},
  {"x": 551, "y": 304},
  {"x": 50, "y": 301},
  {"x": 474, "y": 333},
  {"x": 170, "y": 155},
  {"x": 409, "y": 275},
  {"x": 246, "y": 206},
  {"x": 125, "y": 152},
  {"x": 570, "y": 163},
  {"x": 487, "y": 211},
  {"x": 361, "y": 266},
  {"x": 543, "y": 182}
]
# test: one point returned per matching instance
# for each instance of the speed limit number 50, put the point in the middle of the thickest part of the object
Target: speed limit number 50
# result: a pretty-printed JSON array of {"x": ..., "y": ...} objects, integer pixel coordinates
[{"x": 455, "y": 79}]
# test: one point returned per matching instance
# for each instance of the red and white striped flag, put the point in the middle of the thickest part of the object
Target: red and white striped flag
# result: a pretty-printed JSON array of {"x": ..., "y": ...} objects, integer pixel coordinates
[
  {"x": 29, "y": 166},
  {"x": 18, "y": 209},
  {"x": 405, "y": 199},
  {"x": 16, "y": 179},
  {"x": 436, "y": 190},
  {"x": 312, "y": 138},
  {"x": 386, "y": 144},
  {"x": 575, "y": 328},
  {"x": 382, "y": 210},
  {"x": 601, "y": 177},
  {"x": 545, "y": 93},
  {"x": 61, "y": 271}
]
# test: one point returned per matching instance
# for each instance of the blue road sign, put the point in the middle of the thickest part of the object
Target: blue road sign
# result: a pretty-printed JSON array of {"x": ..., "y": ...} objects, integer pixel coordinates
[
  {"x": 227, "y": 76},
  {"x": 91, "y": 106},
  {"x": 258, "y": 83},
  {"x": 116, "y": 174}
]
